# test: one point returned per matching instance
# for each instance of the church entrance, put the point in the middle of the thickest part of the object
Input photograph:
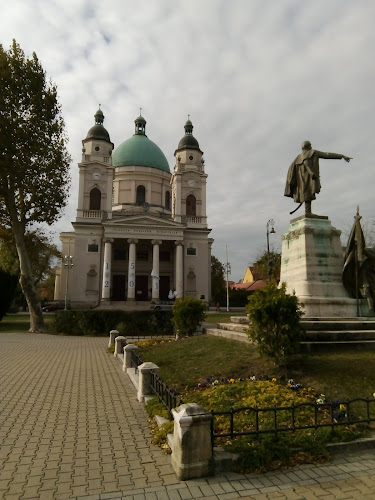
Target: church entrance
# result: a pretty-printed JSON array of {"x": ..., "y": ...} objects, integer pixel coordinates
[
  {"x": 164, "y": 287},
  {"x": 118, "y": 287},
  {"x": 141, "y": 287}
]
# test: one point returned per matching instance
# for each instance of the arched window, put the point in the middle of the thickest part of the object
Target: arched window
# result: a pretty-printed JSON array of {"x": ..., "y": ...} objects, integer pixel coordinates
[
  {"x": 95, "y": 199},
  {"x": 141, "y": 195},
  {"x": 168, "y": 200},
  {"x": 191, "y": 205}
]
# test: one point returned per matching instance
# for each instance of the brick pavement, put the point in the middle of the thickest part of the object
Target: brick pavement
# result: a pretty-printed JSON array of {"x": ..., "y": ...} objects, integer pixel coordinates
[{"x": 71, "y": 427}]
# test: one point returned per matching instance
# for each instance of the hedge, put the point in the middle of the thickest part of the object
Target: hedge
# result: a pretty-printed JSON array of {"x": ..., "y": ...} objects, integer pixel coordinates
[{"x": 100, "y": 323}]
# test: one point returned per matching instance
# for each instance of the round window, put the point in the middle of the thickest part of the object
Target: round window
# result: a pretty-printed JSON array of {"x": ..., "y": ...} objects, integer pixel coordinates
[
  {"x": 190, "y": 157},
  {"x": 97, "y": 148}
]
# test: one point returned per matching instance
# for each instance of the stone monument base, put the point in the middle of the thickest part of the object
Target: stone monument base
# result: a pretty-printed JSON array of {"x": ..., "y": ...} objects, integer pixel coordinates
[{"x": 311, "y": 266}]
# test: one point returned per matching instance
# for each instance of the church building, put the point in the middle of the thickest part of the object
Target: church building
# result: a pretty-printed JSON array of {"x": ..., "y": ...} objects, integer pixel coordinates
[{"x": 140, "y": 230}]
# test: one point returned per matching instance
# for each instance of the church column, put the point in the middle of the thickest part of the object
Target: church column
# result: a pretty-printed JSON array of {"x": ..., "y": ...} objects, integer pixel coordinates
[
  {"x": 179, "y": 269},
  {"x": 106, "y": 285},
  {"x": 131, "y": 271},
  {"x": 155, "y": 269}
]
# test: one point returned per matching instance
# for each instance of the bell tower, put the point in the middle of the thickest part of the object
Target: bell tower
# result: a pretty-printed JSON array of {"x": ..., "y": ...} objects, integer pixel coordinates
[
  {"x": 189, "y": 182},
  {"x": 95, "y": 174}
]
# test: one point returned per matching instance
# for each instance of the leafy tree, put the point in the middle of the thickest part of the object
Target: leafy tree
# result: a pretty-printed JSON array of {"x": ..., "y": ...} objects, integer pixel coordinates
[
  {"x": 41, "y": 251},
  {"x": 187, "y": 315},
  {"x": 34, "y": 161},
  {"x": 275, "y": 322},
  {"x": 217, "y": 279},
  {"x": 268, "y": 266}
]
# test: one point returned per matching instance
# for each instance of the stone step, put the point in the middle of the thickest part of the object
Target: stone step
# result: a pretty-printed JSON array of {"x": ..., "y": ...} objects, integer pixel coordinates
[
  {"x": 232, "y": 327},
  {"x": 338, "y": 324},
  {"x": 337, "y": 335},
  {"x": 242, "y": 320},
  {"x": 228, "y": 334}
]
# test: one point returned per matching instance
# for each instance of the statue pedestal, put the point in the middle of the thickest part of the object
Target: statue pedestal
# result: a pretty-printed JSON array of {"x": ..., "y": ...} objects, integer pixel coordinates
[{"x": 311, "y": 266}]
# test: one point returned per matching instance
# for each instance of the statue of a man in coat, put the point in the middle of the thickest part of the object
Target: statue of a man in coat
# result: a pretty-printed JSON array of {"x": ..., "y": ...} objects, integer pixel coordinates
[{"x": 302, "y": 182}]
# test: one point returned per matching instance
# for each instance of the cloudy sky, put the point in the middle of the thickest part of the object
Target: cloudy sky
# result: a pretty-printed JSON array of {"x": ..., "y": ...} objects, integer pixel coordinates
[{"x": 257, "y": 78}]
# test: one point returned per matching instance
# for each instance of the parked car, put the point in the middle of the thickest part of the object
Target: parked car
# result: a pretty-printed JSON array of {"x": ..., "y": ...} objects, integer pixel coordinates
[{"x": 55, "y": 306}]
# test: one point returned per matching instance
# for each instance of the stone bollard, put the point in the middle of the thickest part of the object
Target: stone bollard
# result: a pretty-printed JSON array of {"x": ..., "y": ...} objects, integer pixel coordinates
[
  {"x": 128, "y": 349},
  {"x": 144, "y": 386},
  {"x": 112, "y": 335},
  {"x": 120, "y": 343},
  {"x": 192, "y": 449}
]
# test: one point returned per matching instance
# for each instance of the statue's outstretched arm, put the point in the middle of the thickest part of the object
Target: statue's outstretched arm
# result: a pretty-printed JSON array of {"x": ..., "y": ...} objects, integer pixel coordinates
[{"x": 332, "y": 156}]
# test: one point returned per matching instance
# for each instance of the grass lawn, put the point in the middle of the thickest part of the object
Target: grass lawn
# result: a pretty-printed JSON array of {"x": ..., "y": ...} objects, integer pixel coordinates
[
  {"x": 224, "y": 317},
  {"x": 183, "y": 364},
  {"x": 20, "y": 323}
]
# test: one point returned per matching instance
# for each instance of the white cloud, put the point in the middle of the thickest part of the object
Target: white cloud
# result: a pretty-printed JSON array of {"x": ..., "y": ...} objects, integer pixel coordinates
[{"x": 256, "y": 77}]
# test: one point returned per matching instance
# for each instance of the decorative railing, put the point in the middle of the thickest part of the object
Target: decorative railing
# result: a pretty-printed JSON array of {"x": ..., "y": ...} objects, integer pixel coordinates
[
  {"x": 92, "y": 214},
  {"x": 168, "y": 397},
  {"x": 317, "y": 415}
]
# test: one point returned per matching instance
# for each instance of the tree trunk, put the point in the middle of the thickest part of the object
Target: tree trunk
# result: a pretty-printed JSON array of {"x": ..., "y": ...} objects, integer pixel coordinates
[{"x": 27, "y": 281}]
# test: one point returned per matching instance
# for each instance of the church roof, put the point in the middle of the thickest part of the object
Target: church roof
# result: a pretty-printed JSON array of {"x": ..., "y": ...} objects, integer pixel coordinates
[
  {"x": 188, "y": 141},
  {"x": 139, "y": 150},
  {"x": 98, "y": 131}
]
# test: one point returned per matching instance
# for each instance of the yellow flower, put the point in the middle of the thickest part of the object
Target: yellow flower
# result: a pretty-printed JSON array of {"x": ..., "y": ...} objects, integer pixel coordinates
[
  {"x": 342, "y": 407},
  {"x": 231, "y": 381},
  {"x": 274, "y": 380}
]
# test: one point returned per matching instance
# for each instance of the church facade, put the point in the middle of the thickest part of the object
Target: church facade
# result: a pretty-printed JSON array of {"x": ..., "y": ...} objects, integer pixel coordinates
[{"x": 141, "y": 231}]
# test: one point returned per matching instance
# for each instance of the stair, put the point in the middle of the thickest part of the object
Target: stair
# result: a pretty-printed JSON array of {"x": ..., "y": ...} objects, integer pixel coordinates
[{"x": 321, "y": 333}]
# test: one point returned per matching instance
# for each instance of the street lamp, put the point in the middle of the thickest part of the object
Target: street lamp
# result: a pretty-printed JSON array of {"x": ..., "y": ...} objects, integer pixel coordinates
[
  {"x": 228, "y": 270},
  {"x": 271, "y": 264},
  {"x": 68, "y": 263}
]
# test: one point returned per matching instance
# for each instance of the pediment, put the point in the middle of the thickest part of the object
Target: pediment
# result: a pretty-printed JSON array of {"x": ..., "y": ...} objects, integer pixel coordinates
[{"x": 143, "y": 220}]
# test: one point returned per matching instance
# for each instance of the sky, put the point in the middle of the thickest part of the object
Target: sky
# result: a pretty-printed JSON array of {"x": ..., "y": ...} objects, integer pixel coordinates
[{"x": 256, "y": 77}]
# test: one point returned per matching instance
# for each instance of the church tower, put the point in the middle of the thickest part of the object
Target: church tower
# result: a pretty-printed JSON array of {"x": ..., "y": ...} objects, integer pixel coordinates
[
  {"x": 95, "y": 174},
  {"x": 189, "y": 182}
]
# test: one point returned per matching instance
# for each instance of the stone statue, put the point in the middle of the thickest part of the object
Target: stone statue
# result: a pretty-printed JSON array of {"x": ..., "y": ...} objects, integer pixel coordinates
[{"x": 302, "y": 182}]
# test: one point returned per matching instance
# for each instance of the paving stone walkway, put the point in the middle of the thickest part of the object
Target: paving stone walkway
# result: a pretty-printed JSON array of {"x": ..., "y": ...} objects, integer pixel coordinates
[{"x": 71, "y": 427}]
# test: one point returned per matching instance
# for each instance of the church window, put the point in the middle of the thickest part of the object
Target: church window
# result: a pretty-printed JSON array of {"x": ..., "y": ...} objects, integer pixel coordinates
[
  {"x": 95, "y": 199},
  {"x": 141, "y": 195},
  {"x": 119, "y": 254},
  {"x": 164, "y": 256},
  {"x": 168, "y": 200},
  {"x": 142, "y": 255},
  {"x": 191, "y": 205}
]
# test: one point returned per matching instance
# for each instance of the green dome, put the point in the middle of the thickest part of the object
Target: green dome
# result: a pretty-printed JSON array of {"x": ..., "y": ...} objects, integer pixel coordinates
[{"x": 139, "y": 151}]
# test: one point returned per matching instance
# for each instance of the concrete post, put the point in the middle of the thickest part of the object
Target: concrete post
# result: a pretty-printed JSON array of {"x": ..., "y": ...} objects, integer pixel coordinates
[
  {"x": 144, "y": 387},
  {"x": 106, "y": 285},
  {"x": 120, "y": 343},
  {"x": 128, "y": 349},
  {"x": 192, "y": 451},
  {"x": 112, "y": 335}
]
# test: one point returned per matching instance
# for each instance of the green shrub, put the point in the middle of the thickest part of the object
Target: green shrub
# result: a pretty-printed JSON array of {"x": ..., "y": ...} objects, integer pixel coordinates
[
  {"x": 275, "y": 322},
  {"x": 100, "y": 323},
  {"x": 187, "y": 315}
]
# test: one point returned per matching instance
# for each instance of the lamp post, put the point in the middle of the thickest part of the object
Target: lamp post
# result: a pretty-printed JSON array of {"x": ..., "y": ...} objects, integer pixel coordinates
[
  {"x": 228, "y": 271},
  {"x": 68, "y": 263},
  {"x": 271, "y": 222}
]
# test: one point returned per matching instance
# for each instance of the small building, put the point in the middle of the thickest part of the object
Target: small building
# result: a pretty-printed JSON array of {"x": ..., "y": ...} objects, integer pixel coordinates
[{"x": 140, "y": 230}]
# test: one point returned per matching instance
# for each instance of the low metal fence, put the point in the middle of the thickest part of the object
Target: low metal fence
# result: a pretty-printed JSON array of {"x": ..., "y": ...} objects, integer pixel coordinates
[
  {"x": 278, "y": 419},
  {"x": 135, "y": 360},
  {"x": 168, "y": 397}
]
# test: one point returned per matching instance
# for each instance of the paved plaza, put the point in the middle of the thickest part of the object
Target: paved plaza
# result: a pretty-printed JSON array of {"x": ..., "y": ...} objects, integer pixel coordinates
[{"x": 71, "y": 427}]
